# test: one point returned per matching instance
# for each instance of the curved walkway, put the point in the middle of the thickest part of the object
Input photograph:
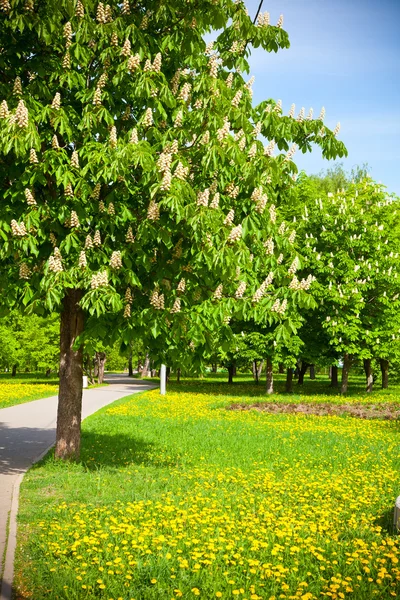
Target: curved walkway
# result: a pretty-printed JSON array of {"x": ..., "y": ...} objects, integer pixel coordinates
[{"x": 27, "y": 432}]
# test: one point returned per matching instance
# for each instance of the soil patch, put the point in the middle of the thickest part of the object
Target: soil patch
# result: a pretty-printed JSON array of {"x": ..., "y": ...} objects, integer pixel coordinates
[{"x": 360, "y": 411}]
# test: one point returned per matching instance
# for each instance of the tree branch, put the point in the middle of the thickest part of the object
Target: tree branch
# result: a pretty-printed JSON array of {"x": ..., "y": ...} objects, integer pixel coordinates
[{"x": 258, "y": 11}]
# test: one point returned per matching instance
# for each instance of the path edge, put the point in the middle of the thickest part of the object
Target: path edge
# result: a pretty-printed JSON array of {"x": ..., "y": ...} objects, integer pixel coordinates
[{"x": 11, "y": 541}]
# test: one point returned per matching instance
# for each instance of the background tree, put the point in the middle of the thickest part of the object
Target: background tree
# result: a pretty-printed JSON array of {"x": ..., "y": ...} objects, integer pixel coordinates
[{"x": 351, "y": 241}]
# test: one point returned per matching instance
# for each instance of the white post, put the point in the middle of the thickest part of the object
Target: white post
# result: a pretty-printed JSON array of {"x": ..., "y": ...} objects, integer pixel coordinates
[
  {"x": 163, "y": 380},
  {"x": 397, "y": 514}
]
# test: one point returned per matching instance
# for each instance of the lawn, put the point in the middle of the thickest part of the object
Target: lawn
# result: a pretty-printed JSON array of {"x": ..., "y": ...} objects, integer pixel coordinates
[
  {"x": 25, "y": 387},
  {"x": 178, "y": 497}
]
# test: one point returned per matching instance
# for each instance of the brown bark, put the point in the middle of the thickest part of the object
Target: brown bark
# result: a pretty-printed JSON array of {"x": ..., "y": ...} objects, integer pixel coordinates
[
  {"x": 254, "y": 368},
  {"x": 178, "y": 376},
  {"x": 312, "y": 371},
  {"x": 270, "y": 377},
  {"x": 334, "y": 376},
  {"x": 68, "y": 436},
  {"x": 289, "y": 381},
  {"x": 259, "y": 369},
  {"x": 368, "y": 375},
  {"x": 14, "y": 371},
  {"x": 101, "y": 363},
  {"x": 230, "y": 373},
  {"x": 385, "y": 372},
  {"x": 146, "y": 367},
  {"x": 302, "y": 372},
  {"x": 281, "y": 368},
  {"x": 130, "y": 365},
  {"x": 345, "y": 373},
  {"x": 214, "y": 367}
]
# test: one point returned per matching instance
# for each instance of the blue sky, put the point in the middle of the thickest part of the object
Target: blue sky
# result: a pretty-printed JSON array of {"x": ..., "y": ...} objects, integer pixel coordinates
[{"x": 344, "y": 55}]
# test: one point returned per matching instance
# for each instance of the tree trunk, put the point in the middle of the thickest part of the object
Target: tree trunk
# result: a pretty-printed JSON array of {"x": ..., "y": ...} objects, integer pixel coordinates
[
  {"x": 234, "y": 370},
  {"x": 214, "y": 367},
  {"x": 334, "y": 376},
  {"x": 230, "y": 373},
  {"x": 330, "y": 372},
  {"x": 385, "y": 372},
  {"x": 146, "y": 367},
  {"x": 281, "y": 368},
  {"x": 101, "y": 363},
  {"x": 130, "y": 365},
  {"x": 178, "y": 376},
  {"x": 168, "y": 374},
  {"x": 289, "y": 381},
  {"x": 14, "y": 371},
  {"x": 270, "y": 377},
  {"x": 68, "y": 436},
  {"x": 260, "y": 368},
  {"x": 345, "y": 373},
  {"x": 312, "y": 371},
  {"x": 368, "y": 375},
  {"x": 255, "y": 372},
  {"x": 254, "y": 368},
  {"x": 302, "y": 372}
]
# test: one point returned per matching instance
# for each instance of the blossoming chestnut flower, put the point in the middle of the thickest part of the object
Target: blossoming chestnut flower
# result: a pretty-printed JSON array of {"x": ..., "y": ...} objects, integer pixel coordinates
[
  {"x": 229, "y": 217},
  {"x": 97, "y": 97},
  {"x": 79, "y": 10},
  {"x": 148, "y": 118},
  {"x": 153, "y": 212},
  {"x": 113, "y": 137},
  {"x": 21, "y": 115},
  {"x": 30, "y": 199},
  {"x": 18, "y": 230},
  {"x": 269, "y": 246},
  {"x": 126, "y": 9},
  {"x": 126, "y": 48},
  {"x": 33, "y": 159},
  {"x": 240, "y": 290},
  {"x": 4, "y": 112},
  {"x": 235, "y": 234},
  {"x": 82, "y": 263},
  {"x": 24, "y": 271},
  {"x": 218, "y": 292},
  {"x": 116, "y": 260},
  {"x": 176, "y": 307},
  {"x": 181, "y": 172},
  {"x": 268, "y": 150},
  {"x": 97, "y": 239},
  {"x": 203, "y": 197},
  {"x": 99, "y": 279},
  {"x": 54, "y": 143},
  {"x": 75, "y": 160}
]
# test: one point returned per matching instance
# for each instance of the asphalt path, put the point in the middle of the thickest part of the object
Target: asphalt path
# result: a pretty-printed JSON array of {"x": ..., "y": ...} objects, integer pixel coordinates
[{"x": 27, "y": 431}]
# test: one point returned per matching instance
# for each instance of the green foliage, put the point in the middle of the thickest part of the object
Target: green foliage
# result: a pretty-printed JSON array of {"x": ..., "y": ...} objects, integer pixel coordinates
[
  {"x": 29, "y": 342},
  {"x": 124, "y": 145},
  {"x": 350, "y": 243}
]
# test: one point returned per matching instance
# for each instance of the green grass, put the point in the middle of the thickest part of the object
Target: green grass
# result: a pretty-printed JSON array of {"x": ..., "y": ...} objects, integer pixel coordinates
[
  {"x": 177, "y": 497},
  {"x": 26, "y": 387}
]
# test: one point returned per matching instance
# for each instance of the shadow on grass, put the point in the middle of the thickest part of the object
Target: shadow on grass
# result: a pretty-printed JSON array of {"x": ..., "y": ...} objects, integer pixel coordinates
[
  {"x": 386, "y": 521},
  {"x": 108, "y": 451}
]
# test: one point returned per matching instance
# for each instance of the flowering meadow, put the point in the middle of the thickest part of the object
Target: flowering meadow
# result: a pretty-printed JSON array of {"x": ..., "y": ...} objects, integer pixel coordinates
[
  {"x": 17, "y": 391},
  {"x": 178, "y": 497}
]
